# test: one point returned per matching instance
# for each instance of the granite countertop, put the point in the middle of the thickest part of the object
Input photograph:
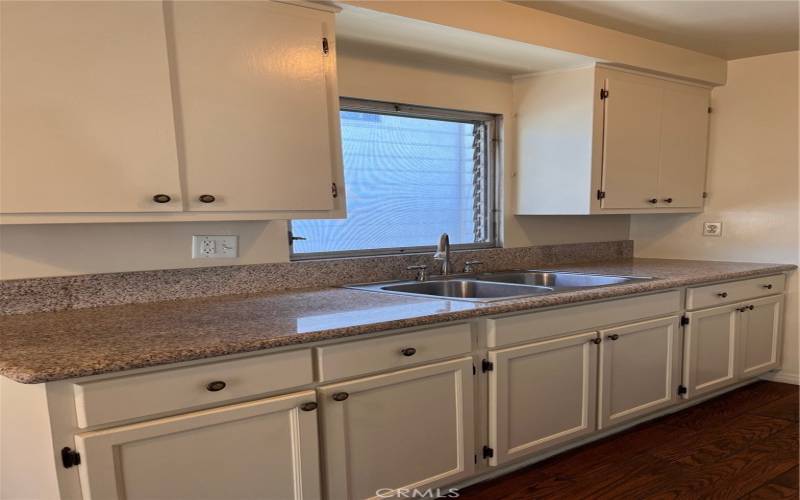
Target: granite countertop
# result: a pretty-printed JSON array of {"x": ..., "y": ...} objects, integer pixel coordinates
[{"x": 42, "y": 347}]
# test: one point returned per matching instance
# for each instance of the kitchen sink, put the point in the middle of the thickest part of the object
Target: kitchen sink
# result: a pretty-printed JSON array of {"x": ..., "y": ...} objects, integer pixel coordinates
[
  {"x": 488, "y": 287},
  {"x": 466, "y": 289},
  {"x": 557, "y": 280}
]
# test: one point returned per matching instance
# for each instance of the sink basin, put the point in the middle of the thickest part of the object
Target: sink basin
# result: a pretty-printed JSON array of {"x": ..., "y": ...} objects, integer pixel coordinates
[
  {"x": 466, "y": 289},
  {"x": 557, "y": 280}
]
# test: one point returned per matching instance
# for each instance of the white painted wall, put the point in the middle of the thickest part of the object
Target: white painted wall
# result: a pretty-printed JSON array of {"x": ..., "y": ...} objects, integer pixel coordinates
[
  {"x": 57, "y": 250},
  {"x": 752, "y": 182}
]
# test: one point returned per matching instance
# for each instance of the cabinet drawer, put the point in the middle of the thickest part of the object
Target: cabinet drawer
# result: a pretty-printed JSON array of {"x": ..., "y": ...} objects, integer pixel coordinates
[
  {"x": 539, "y": 325},
  {"x": 734, "y": 291},
  {"x": 166, "y": 391},
  {"x": 365, "y": 356}
]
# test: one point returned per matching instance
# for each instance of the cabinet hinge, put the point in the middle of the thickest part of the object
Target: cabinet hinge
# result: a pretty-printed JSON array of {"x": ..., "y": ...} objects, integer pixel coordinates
[
  {"x": 684, "y": 320},
  {"x": 603, "y": 94},
  {"x": 474, "y": 370},
  {"x": 488, "y": 452},
  {"x": 476, "y": 458},
  {"x": 682, "y": 390},
  {"x": 70, "y": 457},
  {"x": 325, "y": 48},
  {"x": 334, "y": 190},
  {"x": 487, "y": 366},
  {"x": 601, "y": 194}
]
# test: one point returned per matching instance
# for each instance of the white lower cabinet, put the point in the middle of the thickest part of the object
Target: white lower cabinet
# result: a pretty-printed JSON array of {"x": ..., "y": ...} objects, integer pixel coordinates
[
  {"x": 709, "y": 349},
  {"x": 541, "y": 394},
  {"x": 639, "y": 369},
  {"x": 264, "y": 449},
  {"x": 406, "y": 429},
  {"x": 760, "y": 336}
]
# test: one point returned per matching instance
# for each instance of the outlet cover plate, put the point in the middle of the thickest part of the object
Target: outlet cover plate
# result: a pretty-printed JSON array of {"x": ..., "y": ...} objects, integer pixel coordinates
[
  {"x": 215, "y": 247},
  {"x": 712, "y": 228}
]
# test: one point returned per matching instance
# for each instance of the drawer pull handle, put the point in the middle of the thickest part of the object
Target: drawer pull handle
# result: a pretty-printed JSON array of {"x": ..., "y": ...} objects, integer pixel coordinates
[
  {"x": 667, "y": 200},
  {"x": 652, "y": 201},
  {"x": 722, "y": 294},
  {"x": 207, "y": 198},
  {"x": 161, "y": 198},
  {"x": 216, "y": 385},
  {"x": 613, "y": 336},
  {"x": 340, "y": 396},
  {"x": 310, "y": 406},
  {"x": 768, "y": 287},
  {"x": 408, "y": 351}
]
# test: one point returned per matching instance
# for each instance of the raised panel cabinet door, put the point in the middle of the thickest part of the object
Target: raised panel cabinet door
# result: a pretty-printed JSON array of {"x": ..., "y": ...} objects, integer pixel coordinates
[
  {"x": 684, "y": 142},
  {"x": 710, "y": 349},
  {"x": 253, "y": 105},
  {"x": 761, "y": 336},
  {"x": 261, "y": 449},
  {"x": 639, "y": 369},
  {"x": 631, "y": 141},
  {"x": 541, "y": 395},
  {"x": 407, "y": 429},
  {"x": 87, "y": 121}
]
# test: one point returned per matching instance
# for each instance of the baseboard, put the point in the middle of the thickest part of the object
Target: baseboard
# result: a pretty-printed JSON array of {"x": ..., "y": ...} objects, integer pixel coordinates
[{"x": 786, "y": 378}]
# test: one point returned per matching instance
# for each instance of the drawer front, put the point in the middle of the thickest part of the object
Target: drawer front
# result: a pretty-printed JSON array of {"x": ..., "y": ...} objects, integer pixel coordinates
[
  {"x": 733, "y": 291},
  {"x": 539, "y": 325},
  {"x": 395, "y": 351},
  {"x": 166, "y": 391}
]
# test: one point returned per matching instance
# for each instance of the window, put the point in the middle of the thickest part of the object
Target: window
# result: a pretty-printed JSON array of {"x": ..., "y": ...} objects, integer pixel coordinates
[{"x": 411, "y": 174}]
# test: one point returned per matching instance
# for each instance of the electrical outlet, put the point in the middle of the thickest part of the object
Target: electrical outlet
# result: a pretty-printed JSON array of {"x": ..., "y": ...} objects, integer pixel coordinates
[
  {"x": 712, "y": 228},
  {"x": 215, "y": 247}
]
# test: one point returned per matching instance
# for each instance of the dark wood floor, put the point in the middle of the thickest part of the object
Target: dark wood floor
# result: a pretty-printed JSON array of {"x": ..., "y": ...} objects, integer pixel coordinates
[{"x": 743, "y": 444}]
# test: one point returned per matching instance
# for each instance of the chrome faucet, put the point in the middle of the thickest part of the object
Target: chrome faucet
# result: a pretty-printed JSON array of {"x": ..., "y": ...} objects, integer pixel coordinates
[{"x": 443, "y": 253}]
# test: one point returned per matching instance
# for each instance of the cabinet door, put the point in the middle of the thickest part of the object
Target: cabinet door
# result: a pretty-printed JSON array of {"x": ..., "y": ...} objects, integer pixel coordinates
[
  {"x": 761, "y": 336},
  {"x": 261, "y": 449},
  {"x": 253, "y": 104},
  {"x": 684, "y": 140},
  {"x": 639, "y": 369},
  {"x": 631, "y": 141},
  {"x": 87, "y": 122},
  {"x": 541, "y": 395},
  {"x": 406, "y": 429},
  {"x": 710, "y": 349}
]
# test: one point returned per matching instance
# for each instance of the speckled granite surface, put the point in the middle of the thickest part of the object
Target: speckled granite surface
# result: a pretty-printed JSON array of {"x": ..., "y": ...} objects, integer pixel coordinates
[
  {"x": 49, "y": 346},
  {"x": 96, "y": 290}
]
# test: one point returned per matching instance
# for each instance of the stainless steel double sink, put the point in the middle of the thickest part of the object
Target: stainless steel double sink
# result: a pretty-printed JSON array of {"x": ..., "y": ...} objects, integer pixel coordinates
[{"x": 488, "y": 287}]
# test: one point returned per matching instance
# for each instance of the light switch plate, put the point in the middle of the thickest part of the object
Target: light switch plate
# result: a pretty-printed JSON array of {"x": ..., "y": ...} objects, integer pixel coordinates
[
  {"x": 712, "y": 228},
  {"x": 215, "y": 247}
]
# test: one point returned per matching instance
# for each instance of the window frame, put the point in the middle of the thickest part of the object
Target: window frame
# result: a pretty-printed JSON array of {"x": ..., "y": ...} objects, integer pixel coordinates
[{"x": 492, "y": 123}]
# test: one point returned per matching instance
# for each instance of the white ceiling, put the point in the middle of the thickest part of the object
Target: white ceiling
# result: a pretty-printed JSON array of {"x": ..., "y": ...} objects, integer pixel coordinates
[
  {"x": 723, "y": 28},
  {"x": 367, "y": 27}
]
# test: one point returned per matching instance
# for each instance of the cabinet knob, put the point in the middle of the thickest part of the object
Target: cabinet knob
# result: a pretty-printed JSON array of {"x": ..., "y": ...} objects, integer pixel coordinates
[
  {"x": 613, "y": 336},
  {"x": 340, "y": 396},
  {"x": 216, "y": 386},
  {"x": 768, "y": 287},
  {"x": 408, "y": 351},
  {"x": 722, "y": 294},
  {"x": 667, "y": 200},
  {"x": 653, "y": 201},
  {"x": 310, "y": 406},
  {"x": 161, "y": 198},
  {"x": 741, "y": 309},
  {"x": 751, "y": 307},
  {"x": 595, "y": 341},
  {"x": 207, "y": 198}
]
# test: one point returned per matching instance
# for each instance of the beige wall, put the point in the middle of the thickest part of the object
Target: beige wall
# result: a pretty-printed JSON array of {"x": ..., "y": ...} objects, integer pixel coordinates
[
  {"x": 752, "y": 181},
  {"x": 53, "y": 250}
]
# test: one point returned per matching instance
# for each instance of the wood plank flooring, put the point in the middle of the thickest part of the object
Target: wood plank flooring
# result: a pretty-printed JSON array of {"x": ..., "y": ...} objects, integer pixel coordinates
[{"x": 743, "y": 444}]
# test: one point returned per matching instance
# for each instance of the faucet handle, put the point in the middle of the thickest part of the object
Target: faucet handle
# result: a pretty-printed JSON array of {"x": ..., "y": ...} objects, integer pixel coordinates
[
  {"x": 422, "y": 271},
  {"x": 468, "y": 265}
]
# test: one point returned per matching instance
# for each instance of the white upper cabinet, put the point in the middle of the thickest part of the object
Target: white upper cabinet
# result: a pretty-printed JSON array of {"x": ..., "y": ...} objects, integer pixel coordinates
[
  {"x": 251, "y": 93},
  {"x": 87, "y": 123},
  {"x": 227, "y": 109},
  {"x": 600, "y": 140}
]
